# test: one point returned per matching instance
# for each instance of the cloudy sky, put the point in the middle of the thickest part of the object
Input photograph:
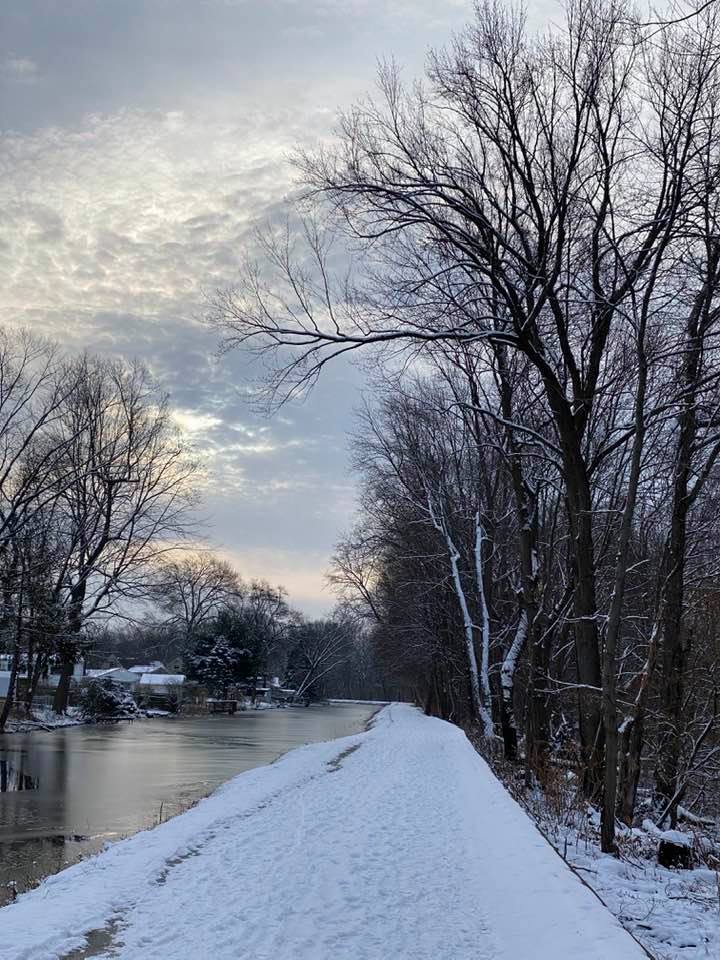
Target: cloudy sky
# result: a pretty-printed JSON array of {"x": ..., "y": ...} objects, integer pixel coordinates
[{"x": 140, "y": 142}]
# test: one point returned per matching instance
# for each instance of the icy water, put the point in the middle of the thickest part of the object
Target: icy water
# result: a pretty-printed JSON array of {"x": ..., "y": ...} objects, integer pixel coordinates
[{"x": 65, "y": 793}]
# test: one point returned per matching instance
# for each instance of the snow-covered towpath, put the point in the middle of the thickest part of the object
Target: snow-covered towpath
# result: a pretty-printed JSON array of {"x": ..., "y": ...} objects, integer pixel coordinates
[{"x": 398, "y": 842}]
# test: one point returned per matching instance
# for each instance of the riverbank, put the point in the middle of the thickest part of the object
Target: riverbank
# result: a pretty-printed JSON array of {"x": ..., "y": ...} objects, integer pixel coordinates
[
  {"x": 71, "y": 790},
  {"x": 672, "y": 912},
  {"x": 46, "y": 719},
  {"x": 395, "y": 842}
]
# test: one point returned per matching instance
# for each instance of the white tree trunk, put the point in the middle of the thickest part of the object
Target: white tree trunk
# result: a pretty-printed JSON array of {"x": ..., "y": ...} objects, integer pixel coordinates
[
  {"x": 509, "y": 665},
  {"x": 485, "y": 616},
  {"x": 468, "y": 625},
  {"x": 469, "y": 636}
]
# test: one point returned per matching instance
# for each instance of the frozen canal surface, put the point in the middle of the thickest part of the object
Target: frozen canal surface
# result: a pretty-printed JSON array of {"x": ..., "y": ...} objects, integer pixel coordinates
[{"x": 66, "y": 792}]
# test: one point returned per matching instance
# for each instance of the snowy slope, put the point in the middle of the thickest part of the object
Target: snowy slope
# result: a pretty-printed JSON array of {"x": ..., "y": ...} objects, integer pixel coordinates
[{"x": 398, "y": 842}]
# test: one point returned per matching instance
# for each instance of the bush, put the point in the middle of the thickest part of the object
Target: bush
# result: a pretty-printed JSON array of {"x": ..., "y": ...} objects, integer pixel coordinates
[{"x": 103, "y": 699}]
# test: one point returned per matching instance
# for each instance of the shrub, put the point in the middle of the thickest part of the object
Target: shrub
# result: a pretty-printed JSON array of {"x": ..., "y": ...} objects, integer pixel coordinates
[{"x": 103, "y": 699}]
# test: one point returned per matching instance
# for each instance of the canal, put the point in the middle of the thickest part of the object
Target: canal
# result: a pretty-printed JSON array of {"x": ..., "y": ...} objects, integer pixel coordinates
[{"x": 65, "y": 793}]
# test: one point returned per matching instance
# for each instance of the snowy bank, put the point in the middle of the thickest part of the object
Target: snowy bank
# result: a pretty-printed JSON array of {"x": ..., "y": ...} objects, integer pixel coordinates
[
  {"x": 674, "y": 913},
  {"x": 43, "y": 718},
  {"x": 398, "y": 842},
  {"x": 380, "y": 703}
]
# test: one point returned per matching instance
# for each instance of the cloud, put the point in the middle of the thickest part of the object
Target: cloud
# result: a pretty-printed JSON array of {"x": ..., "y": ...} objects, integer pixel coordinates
[
  {"x": 304, "y": 33},
  {"x": 18, "y": 69},
  {"x": 144, "y": 210},
  {"x": 136, "y": 164},
  {"x": 409, "y": 10},
  {"x": 193, "y": 422}
]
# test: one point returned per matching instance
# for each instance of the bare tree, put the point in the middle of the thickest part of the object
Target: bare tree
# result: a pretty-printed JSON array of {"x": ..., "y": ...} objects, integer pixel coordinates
[
  {"x": 319, "y": 647},
  {"x": 129, "y": 500},
  {"x": 191, "y": 589},
  {"x": 33, "y": 390}
]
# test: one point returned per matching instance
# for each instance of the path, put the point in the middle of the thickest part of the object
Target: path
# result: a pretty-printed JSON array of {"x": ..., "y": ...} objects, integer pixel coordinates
[{"x": 395, "y": 843}]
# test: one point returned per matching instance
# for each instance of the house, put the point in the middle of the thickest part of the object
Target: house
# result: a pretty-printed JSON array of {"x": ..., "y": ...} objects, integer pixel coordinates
[
  {"x": 116, "y": 674},
  {"x": 161, "y": 684},
  {"x": 6, "y": 660},
  {"x": 163, "y": 690},
  {"x": 155, "y": 667},
  {"x": 53, "y": 678},
  {"x": 282, "y": 694},
  {"x": 257, "y": 691}
]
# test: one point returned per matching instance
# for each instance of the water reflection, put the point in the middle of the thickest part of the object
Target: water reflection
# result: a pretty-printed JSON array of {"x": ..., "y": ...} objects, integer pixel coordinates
[
  {"x": 15, "y": 778},
  {"x": 76, "y": 788}
]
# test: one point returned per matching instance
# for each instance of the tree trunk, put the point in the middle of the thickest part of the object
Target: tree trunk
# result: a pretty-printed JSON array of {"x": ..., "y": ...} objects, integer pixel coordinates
[
  {"x": 537, "y": 727},
  {"x": 587, "y": 653},
  {"x": 12, "y": 681},
  {"x": 507, "y": 682},
  {"x": 62, "y": 692},
  {"x": 585, "y": 629},
  {"x": 69, "y": 648},
  {"x": 612, "y": 633},
  {"x": 633, "y": 735},
  {"x": 674, "y": 656},
  {"x": 34, "y": 680},
  {"x": 674, "y": 640},
  {"x": 30, "y": 672},
  {"x": 481, "y": 707},
  {"x": 526, "y": 508},
  {"x": 486, "y": 702},
  {"x": 632, "y": 739}
]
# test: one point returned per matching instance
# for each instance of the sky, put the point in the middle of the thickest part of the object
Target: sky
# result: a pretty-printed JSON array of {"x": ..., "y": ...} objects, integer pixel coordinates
[{"x": 141, "y": 144}]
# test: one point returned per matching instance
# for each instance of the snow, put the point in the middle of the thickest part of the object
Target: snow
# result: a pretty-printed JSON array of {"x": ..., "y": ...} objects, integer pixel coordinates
[
  {"x": 370, "y": 702},
  {"x": 672, "y": 836},
  {"x": 673, "y": 912},
  {"x": 162, "y": 679},
  {"x": 146, "y": 667},
  {"x": 45, "y": 718},
  {"x": 397, "y": 842}
]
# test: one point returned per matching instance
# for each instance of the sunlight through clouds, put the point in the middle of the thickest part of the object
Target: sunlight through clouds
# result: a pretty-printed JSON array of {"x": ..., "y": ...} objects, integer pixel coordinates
[
  {"x": 138, "y": 154},
  {"x": 139, "y": 212}
]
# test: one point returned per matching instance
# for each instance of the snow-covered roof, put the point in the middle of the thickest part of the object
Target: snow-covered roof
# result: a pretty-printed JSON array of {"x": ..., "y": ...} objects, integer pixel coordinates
[
  {"x": 161, "y": 679},
  {"x": 146, "y": 667},
  {"x": 108, "y": 672}
]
